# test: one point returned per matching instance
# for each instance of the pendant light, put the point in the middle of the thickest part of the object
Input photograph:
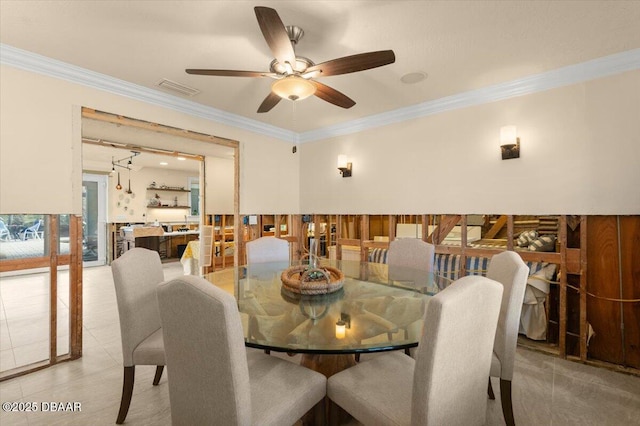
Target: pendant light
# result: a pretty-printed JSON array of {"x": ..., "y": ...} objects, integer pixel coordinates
[
  {"x": 129, "y": 188},
  {"x": 118, "y": 186}
]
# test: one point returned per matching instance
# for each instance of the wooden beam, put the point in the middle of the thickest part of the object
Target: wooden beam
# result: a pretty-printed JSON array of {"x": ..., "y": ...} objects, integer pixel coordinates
[
  {"x": 27, "y": 263},
  {"x": 349, "y": 242},
  {"x": 493, "y": 231},
  {"x": 445, "y": 225},
  {"x": 375, "y": 244},
  {"x": 154, "y": 127},
  {"x": 132, "y": 147}
]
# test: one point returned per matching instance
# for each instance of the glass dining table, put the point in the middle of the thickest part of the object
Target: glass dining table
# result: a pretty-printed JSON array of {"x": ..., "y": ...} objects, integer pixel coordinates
[{"x": 378, "y": 309}]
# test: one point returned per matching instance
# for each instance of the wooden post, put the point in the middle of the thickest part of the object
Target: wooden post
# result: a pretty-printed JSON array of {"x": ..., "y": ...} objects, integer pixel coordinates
[
  {"x": 510, "y": 232},
  {"x": 52, "y": 226},
  {"x": 463, "y": 245},
  {"x": 75, "y": 285},
  {"x": 296, "y": 230},
  {"x": 393, "y": 220},
  {"x": 277, "y": 219},
  {"x": 339, "y": 237},
  {"x": 425, "y": 227},
  {"x": 584, "y": 330},
  {"x": 562, "y": 309},
  {"x": 364, "y": 236}
]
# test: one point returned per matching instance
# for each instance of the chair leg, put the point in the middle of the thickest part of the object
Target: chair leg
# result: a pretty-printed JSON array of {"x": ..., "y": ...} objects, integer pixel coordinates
[
  {"x": 505, "y": 398},
  {"x": 127, "y": 392},
  {"x": 490, "y": 390},
  {"x": 158, "y": 376},
  {"x": 357, "y": 357}
]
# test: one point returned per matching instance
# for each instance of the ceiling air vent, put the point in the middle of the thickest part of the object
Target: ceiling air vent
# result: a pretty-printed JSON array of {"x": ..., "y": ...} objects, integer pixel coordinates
[{"x": 177, "y": 87}]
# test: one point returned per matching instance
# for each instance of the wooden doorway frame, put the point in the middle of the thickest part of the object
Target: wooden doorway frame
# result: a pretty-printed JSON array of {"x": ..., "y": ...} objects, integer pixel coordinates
[{"x": 93, "y": 114}]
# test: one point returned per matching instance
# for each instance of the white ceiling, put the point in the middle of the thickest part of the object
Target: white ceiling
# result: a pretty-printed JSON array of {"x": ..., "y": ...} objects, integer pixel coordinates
[{"x": 461, "y": 45}]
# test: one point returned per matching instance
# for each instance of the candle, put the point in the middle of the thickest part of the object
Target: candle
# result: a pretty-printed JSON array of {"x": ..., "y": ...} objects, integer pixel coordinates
[{"x": 341, "y": 329}]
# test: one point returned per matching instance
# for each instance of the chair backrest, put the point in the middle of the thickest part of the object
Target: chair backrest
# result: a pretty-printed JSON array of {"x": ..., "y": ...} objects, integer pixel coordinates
[
  {"x": 136, "y": 275},
  {"x": 409, "y": 259},
  {"x": 267, "y": 249},
  {"x": 509, "y": 269},
  {"x": 205, "y": 353},
  {"x": 35, "y": 226},
  {"x": 453, "y": 364},
  {"x": 412, "y": 253}
]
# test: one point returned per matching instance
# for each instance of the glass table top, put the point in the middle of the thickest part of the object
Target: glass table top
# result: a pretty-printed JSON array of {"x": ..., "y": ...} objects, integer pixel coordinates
[{"x": 377, "y": 309}]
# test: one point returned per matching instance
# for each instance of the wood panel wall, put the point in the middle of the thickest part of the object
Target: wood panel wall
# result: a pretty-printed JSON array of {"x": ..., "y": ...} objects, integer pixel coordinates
[
  {"x": 630, "y": 263},
  {"x": 613, "y": 256}
]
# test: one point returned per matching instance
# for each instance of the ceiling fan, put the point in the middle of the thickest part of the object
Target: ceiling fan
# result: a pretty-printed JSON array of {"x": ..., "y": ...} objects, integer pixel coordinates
[{"x": 295, "y": 75}]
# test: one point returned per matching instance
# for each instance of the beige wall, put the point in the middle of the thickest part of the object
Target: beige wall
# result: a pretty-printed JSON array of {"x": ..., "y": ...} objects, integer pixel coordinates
[
  {"x": 40, "y": 148},
  {"x": 580, "y": 154},
  {"x": 219, "y": 185}
]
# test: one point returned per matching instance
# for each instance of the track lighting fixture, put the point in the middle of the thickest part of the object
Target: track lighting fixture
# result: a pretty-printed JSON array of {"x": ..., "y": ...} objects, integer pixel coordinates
[{"x": 128, "y": 165}]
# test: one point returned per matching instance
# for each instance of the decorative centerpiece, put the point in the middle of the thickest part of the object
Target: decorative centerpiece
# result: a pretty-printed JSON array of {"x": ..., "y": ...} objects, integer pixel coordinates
[
  {"x": 311, "y": 279},
  {"x": 303, "y": 279}
]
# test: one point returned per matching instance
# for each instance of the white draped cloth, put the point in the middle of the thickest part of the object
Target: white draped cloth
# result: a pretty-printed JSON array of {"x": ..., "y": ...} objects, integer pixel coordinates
[{"x": 533, "y": 319}]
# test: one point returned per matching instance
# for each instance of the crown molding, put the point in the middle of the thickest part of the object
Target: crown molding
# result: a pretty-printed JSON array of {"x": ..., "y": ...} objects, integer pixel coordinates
[
  {"x": 572, "y": 74},
  {"x": 29, "y": 61}
]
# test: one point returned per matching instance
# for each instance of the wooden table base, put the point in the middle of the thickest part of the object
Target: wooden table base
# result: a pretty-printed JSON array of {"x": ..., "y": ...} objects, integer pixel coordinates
[{"x": 327, "y": 365}]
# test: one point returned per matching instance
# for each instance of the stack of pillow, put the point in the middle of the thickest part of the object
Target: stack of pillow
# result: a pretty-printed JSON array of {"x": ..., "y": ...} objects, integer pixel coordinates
[{"x": 534, "y": 242}]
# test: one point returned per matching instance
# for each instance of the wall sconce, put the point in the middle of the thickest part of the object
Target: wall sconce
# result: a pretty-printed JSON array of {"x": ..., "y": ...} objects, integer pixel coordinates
[
  {"x": 344, "y": 166},
  {"x": 509, "y": 142}
]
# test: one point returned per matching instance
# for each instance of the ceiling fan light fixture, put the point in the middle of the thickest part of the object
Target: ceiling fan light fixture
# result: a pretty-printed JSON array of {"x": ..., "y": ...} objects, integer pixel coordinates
[{"x": 293, "y": 87}]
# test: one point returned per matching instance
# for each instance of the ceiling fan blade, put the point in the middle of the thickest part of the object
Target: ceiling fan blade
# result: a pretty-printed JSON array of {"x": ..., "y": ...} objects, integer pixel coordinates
[
  {"x": 230, "y": 73},
  {"x": 269, "y": 102},
  {"x": 332, "y": 96},
  {"x": 354, "y": 63},
  {"x": 275, "y": 35}
]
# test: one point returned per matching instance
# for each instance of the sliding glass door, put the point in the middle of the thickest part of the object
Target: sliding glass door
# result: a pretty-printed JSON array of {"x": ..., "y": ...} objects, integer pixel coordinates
[{"x": 94, "y": 206}]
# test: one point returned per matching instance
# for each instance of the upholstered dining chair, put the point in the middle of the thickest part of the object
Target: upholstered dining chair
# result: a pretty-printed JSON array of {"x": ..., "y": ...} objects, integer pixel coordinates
[
  {"x": 136, "y": 275},
  {"x": 407, "y": 258},
  {"x": 509, "y": 269},
  {"x": 267, "y": 249},
  {"x": 410, "y": 253},
  {"x": 446, "y": 383},
  {"x": 214, "y": 380}
]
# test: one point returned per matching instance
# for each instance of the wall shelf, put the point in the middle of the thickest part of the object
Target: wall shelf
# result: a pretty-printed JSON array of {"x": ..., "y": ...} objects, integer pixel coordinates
[{"x": 168, "y": 189}]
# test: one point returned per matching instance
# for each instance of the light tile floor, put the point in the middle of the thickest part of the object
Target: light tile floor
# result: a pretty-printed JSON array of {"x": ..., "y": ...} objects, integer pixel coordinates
[{"x": 546, "y": 390}]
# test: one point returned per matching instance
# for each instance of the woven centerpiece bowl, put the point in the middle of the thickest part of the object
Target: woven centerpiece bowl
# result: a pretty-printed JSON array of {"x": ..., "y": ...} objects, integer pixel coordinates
[{"x": 302, "y": 279}]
